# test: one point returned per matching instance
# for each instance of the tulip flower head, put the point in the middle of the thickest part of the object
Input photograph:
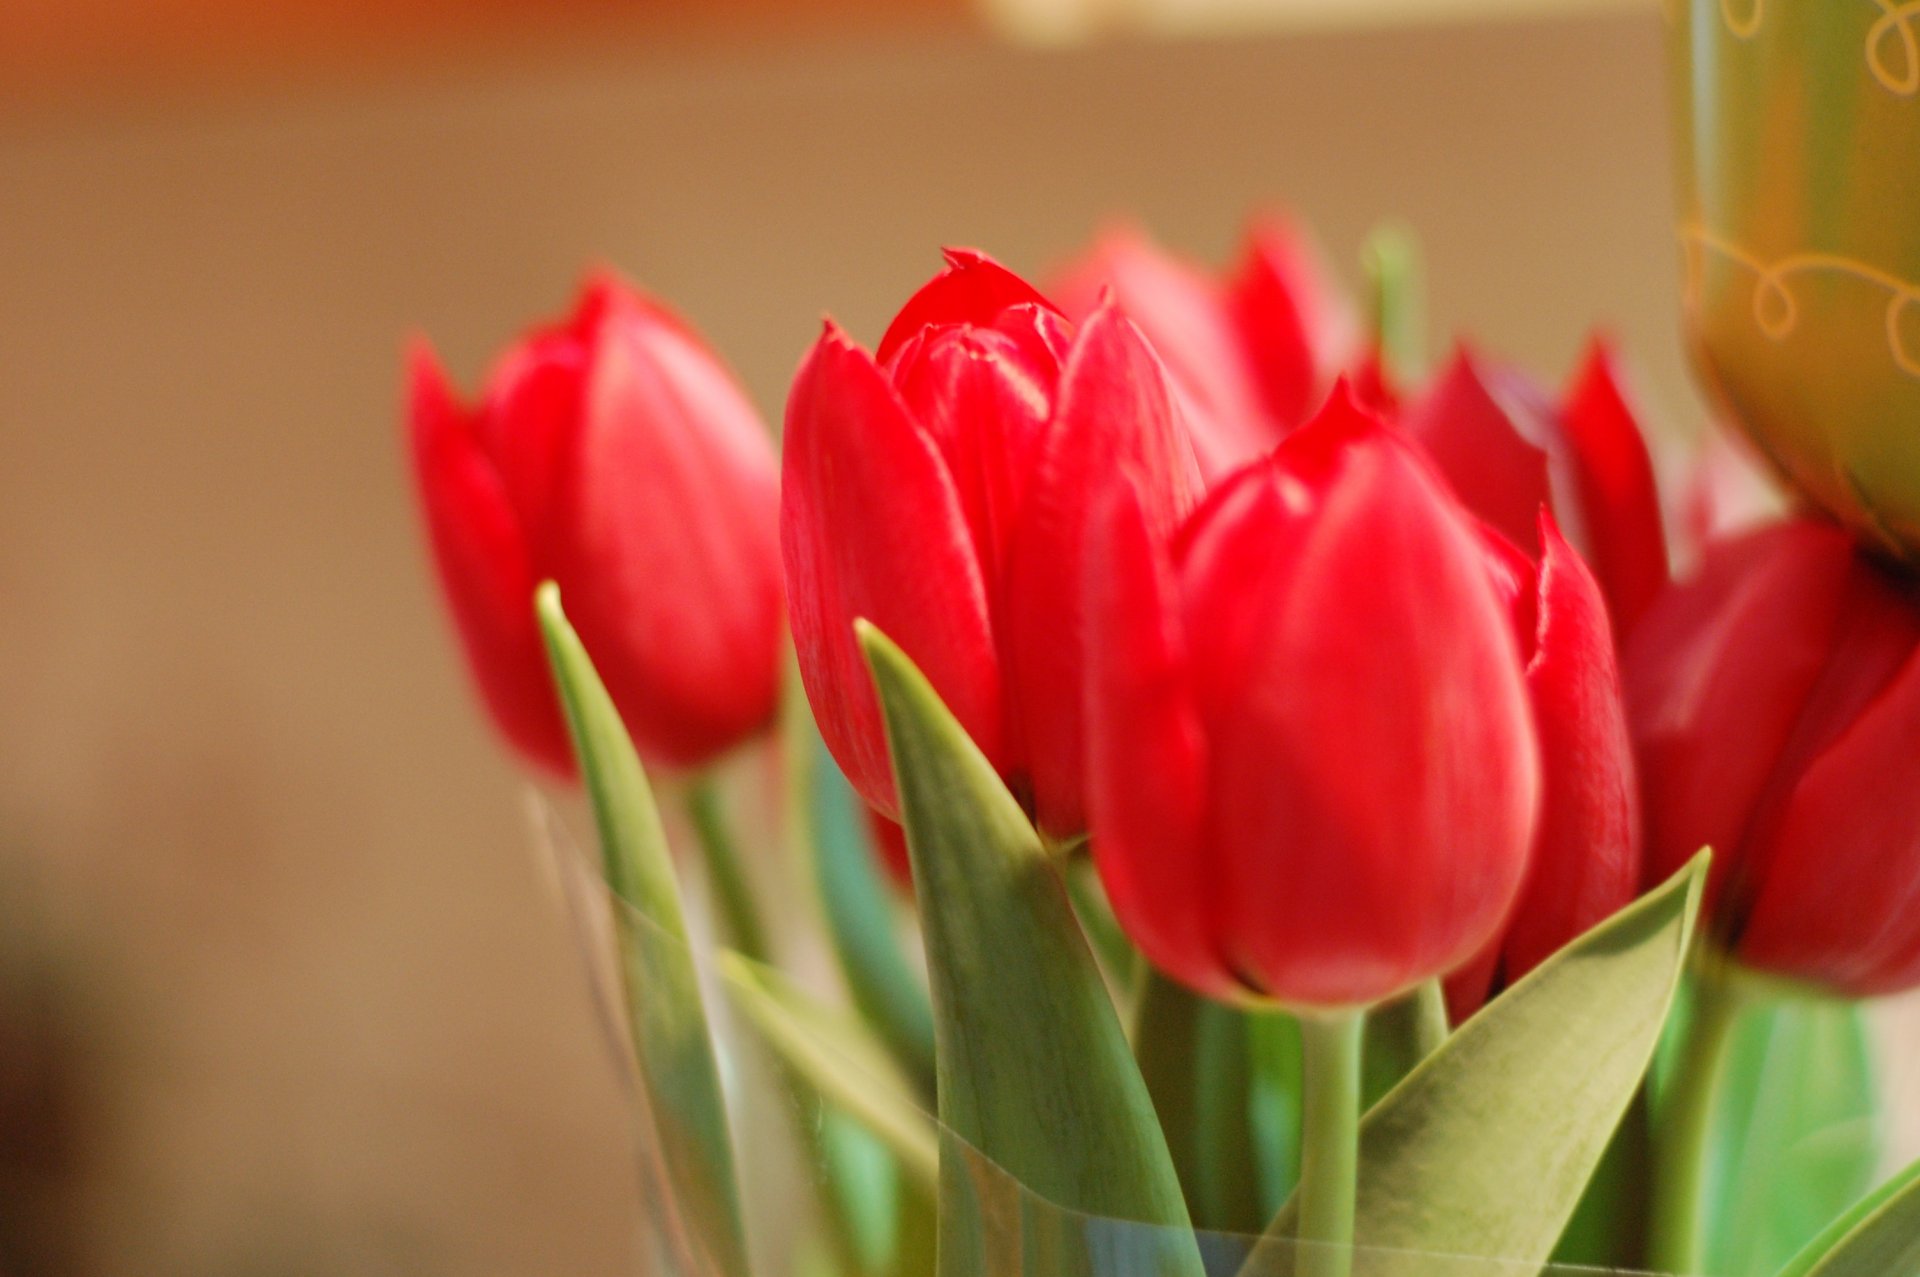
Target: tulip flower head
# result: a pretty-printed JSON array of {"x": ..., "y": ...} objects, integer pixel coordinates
[
  {"x": 938, "y": 488},
  {"x": 613, "y": 454},
  {"x": 1509, "y": 449},
  {"x": 1775, "y": 702},
  {"x": 1251, "y": 356},
  {"x": 1313, "y": 770}
]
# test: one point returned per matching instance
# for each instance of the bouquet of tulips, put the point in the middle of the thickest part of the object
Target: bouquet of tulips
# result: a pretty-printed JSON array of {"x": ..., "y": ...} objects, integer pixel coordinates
[{"x": 1267, "y": 814}]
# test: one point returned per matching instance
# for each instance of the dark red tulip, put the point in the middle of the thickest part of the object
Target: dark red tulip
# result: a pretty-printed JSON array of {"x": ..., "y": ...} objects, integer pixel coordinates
[
  {"x": 1509, "y": 449},
  {"x": 1313, "y": 772},
  {"x": 1587, "y": 857},
  {"x": 939, "y": 488},
  {"x": 1250, "y": 356},
  {"x": 1775, "y": 702},
  {"x": 611, "y": 453}
]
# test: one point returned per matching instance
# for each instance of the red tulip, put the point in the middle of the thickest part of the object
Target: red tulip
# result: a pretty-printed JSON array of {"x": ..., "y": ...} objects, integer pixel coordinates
[
  {"x": 1775, "y": 702},
  {"x": 1313, "y": 771},
  {"x": 611, "y": 453},
  {"x": 1508, "y": 450},
  {"x": 939, "y": 489},
  {"x": 1586, "y": 860},
  {"x": 1251, "y": 356}
]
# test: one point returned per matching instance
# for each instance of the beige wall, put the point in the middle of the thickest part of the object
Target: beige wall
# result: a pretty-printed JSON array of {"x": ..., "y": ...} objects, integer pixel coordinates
[{"x": 339, "y": 1014}]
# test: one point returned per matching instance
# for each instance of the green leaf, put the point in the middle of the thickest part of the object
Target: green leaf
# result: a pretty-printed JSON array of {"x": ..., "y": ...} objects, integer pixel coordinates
[
  {"x": 667, "y": 1019},
  {"x": 1796, "y": 1132},
  {"x": 837, "y": 1058},
  {"x": 1485, "y": 1149},
  {"x": 1880, "y": 1237},
  {"x": 1196, "y": 1058},
  {"x": 1034, "y": 1070},
  {"x": 1609, "y": 1227},
  {"x": 859, "y": 910}
]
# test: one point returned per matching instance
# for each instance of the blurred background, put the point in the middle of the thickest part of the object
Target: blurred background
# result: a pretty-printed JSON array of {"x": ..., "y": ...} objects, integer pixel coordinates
[{"x": 282, "y": 988}]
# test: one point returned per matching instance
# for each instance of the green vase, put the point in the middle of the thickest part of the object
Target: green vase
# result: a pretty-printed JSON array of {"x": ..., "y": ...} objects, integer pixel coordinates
[{"x": 1799, "y": 150}]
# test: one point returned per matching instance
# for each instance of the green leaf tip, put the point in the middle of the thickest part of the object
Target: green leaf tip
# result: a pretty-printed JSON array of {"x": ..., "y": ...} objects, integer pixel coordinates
[
  {"x": 673, "y": 1051},
  {"x": 1034, "y": 1070}
]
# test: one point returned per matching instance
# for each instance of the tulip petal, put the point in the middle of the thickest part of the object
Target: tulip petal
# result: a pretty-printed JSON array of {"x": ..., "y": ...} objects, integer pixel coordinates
[
  {"x": 529, "y": 424},
  {"x": 973, "y": 289},
  {"x": 1471, "y": 425},
  {"x": 1146, "y": 754},
  {"x": 1184, "y": 318},
  {"x": 484, "y": 568},
  {"x": 1113, "y": 416},
  {"x": 1587, "y": 852},
  {"x": 985, "y": 397},
  {"x": 1295, "y": 325},
  {"x": 1379, "y": 661},
  {"x": 1717, "y": 673},
  {"x": 1613, "y": 477},
  {"x": 1838, "y": 879},
  {"x": 872, "y": 527},
  {"x": 673, "y": 487}
]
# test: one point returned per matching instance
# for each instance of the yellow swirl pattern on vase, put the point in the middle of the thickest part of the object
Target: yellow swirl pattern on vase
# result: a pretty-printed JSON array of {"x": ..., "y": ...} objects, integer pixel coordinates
[
  {"x": 1746, "y": 28},
  {"x": 1895, "y": 26},
  {"x": 1776, "y": 312},
  {"x": 1893, "y": 41}
]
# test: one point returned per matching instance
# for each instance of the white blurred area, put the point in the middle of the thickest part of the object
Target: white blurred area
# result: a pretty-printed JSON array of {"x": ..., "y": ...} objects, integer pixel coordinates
[{"x": 327, "y": 1008}]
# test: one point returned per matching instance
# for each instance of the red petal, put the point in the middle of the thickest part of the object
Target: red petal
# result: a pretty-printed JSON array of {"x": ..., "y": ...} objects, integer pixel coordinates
[
  {"x": 973, "y": 289},
  {"x": 1348, "y": 645},
  {"x": 1587, "y": 853},
  {"x": 1184, "y": 318},
  {"x": 1146, "y": 757},
  {"x": 1717, "y": 673},
  {"x": 985, "y": 397},
  {"x": 1113, "y": 416},
  {"x": 530, "y": 424},
  {"x": 871, "y": 527},
  {"x": 1296, "y": 327},
  {"x": 483, "y": 566},
  {"x": 1613, "y": 478},
  {"x": 1468, "y": 425},
  {"x": 674, "y": 488},
  {"x": 1835, "y": 879}
]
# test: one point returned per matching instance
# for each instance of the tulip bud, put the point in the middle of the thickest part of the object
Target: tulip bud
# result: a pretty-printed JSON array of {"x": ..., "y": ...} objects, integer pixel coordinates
[
  {"x": 1586, "y": 860},
  {"x": 611, "y": 453},
  {"x": 939, "y": 488},
  {"x": 1313, "y": 771},
  {"x": 1775, "y": 702},
  {"x": 1508, "y": 450},
  {"x": 1250, "y": 357}
]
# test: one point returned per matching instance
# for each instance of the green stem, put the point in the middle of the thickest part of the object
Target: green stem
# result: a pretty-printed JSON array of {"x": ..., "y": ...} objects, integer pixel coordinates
[
  {"x": 1682, "y": 1138},
  {"x": 1330, "y": 1153},
  {"x": 726, "y": 876},
  {"x": 1391, "y": 259}
]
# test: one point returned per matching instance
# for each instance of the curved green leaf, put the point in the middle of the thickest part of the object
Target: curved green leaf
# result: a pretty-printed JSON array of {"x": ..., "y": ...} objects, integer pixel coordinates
[
  {"x": 1485, "y": 1149},
  {"x": 1796, "y": 1132},
  {"x": 1034, "y": 1070},
  {"x": 1878, "y": 1238},
  {"x": 837, "y": 1058},
  {"x": 667, "y": 1018}
]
